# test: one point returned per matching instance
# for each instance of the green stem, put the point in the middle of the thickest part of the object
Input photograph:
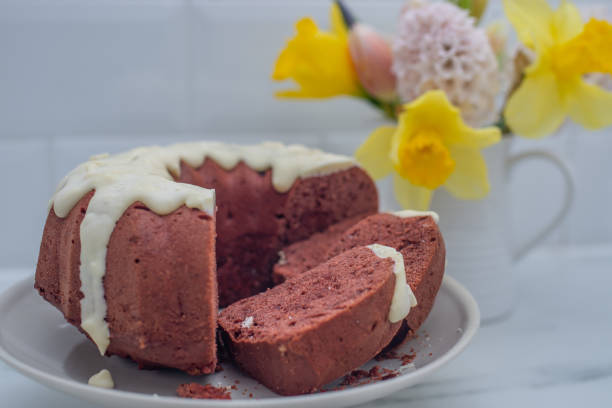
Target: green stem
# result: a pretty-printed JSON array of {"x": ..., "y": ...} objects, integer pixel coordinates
[
  {"x": 389, "y": 109},
  {"x": 503, "y": 126}
]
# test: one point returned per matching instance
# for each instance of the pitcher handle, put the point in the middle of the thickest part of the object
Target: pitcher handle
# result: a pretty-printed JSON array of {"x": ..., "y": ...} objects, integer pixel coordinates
[{"x": 522, "y": 249}]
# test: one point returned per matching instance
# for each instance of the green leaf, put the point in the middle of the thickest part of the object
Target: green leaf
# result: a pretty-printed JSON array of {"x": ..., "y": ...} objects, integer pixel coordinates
[{"x": 464, "y": 4}]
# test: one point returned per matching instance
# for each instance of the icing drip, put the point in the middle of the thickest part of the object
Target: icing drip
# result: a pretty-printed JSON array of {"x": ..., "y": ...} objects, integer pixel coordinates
[
  {"x": 103, "y": 379},
  {"x": 403, "y": 297},
  {"x": 414, "y": 213},
  {"x": 288, "y": 162},
  {"x": 147, "y": 175}
]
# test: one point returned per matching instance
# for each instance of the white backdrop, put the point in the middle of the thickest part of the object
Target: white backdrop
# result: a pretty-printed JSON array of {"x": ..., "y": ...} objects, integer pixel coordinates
[{"x": 79, "y": 77}]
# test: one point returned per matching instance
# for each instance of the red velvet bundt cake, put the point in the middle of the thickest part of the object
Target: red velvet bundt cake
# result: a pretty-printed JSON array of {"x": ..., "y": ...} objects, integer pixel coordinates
[{"x": 134, "y": 243}]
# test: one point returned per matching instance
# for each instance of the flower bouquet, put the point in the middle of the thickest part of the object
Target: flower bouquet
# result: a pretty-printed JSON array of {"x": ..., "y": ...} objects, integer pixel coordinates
[
  {"x": 452, "y": 87},
  {"x": 454, "y": 95}
]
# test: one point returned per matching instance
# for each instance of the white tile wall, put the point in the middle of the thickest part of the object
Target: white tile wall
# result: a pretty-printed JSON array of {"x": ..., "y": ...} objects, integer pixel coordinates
[
  {"x": 83, "y": 66},
  {"x": 79, "y": 77},
  {"x": 26, "y": 188}
]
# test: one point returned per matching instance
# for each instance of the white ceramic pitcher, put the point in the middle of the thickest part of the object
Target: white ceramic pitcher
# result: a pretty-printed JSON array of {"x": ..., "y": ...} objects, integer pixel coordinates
[{"x": 478, "y": 233}]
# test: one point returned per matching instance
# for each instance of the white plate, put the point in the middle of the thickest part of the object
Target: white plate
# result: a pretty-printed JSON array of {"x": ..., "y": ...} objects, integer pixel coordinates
[{"x": 35, "y": 340}]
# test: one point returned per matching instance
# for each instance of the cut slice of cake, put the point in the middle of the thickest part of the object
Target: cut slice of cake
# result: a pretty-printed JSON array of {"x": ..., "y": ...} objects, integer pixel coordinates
[
  {"x": 302, "y": 256},
  {"x": 414, "y": 234},
  {"x": 317, "y": 326}
]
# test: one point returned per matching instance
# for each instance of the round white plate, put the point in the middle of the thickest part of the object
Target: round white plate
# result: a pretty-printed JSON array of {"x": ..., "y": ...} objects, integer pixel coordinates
[{"x": 35, "y": 339}]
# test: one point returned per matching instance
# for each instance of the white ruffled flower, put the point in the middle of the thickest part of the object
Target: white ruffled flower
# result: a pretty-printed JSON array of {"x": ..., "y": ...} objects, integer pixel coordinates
[{"x": 438, "y": 47}]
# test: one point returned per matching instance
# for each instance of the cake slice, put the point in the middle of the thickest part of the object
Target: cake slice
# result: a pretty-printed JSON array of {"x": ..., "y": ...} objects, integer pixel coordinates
[
  {"x": 414, "y": 234},
  {"x": 304, "y": 255},
  {"x": 317, "y": 326}
]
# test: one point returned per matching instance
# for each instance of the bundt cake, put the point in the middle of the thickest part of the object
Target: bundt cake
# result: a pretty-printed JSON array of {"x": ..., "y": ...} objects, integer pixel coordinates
[
  {"x": 414, "y": 234},
  {"x": 317, "y": 326},
  {"x": 137, "y": 249}
]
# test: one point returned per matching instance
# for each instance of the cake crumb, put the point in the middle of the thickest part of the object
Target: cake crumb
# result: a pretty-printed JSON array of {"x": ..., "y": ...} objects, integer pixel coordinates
[
  {"x": 218, "y": 368},
  {"x": 393, "y": 355},
  {"x": 199, "y": 391},
  {"x": 247, "y": 323},
  {"x": 354, "y": 377},
  {"x": 386, "y": 355},
  {"x": 407, "y": 358},
  {"x": 361, "y": 377}
]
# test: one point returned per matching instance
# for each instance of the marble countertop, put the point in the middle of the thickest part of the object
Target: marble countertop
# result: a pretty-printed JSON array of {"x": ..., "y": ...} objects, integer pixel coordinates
[{"x": 554, "y": 350}]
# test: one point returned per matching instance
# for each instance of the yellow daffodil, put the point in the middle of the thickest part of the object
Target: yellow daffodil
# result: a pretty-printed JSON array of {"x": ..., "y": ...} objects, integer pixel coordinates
[
  {"x": 318, "y": 61},
  {"x": 430, "y": 147},
  {"x": 554, "y": 86}
]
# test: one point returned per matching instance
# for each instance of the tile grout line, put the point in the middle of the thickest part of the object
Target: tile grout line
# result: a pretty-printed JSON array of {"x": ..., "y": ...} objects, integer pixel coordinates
[{"x": 189, "y": 11}]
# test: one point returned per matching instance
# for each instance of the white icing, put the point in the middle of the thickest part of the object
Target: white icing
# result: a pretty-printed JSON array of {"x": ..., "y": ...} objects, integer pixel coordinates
[
  {"x": 103, "y": 379},
  {"x": 282, "y": 258},
  {"x": 403, "y": 297},
  {"x": 288, "y": 162},
  {"x": 147, "y": 174},
  {"x": 415, "y": 213},
  {"x": 247, "y": 323}
]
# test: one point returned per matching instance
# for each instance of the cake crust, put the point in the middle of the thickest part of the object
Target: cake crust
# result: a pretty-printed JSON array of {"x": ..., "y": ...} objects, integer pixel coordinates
[{"x": 160, "y": 288}]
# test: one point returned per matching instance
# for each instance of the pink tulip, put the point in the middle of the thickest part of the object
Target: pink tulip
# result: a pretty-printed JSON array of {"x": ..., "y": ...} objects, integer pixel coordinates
[{"x": 372, "y": 58}]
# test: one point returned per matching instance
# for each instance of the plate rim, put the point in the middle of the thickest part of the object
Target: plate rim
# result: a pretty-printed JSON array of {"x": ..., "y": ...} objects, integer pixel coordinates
[{"x": 365, "y": 393}]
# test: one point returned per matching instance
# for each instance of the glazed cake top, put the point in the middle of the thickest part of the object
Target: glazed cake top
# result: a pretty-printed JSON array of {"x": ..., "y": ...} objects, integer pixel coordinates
[{"x": 147, "y": 175}]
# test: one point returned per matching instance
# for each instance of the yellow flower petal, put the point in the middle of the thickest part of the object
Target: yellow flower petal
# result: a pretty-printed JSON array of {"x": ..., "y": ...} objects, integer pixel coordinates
[
  {"x": 530, "y": 20},
  {"x": 298, "y": 93},
  {"x": 337, "y": 22},
  {"x": 566, "y": 22},
  {"x": 409, "y": 195},
  {"x": 469, "y": 181},
  {"x": 424, "y": 160},
  {"x": 478, "y": 138},
  {"x": 318, "y": 61},
  {"x": 588, "y": 52},
  {"x": 373, "y": 154},
  {"x": 590, "y": 106},
  {"x": 432, "y": 110},
  {"x": 535, "y": 109},
  {"x": 285, "y": 64}
]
